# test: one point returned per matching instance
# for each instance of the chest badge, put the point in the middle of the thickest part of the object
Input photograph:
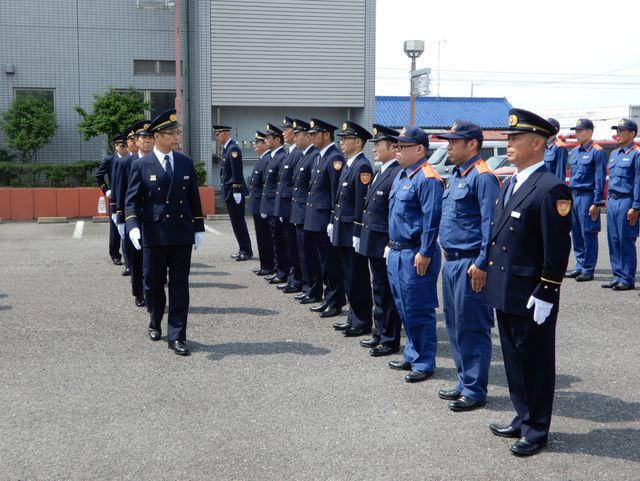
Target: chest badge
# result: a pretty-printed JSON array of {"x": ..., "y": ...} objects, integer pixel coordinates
[
  {"x": 563, "y": 207},
  {"x": 365, "y": 177},
  {"x": 152, "y": 178}
]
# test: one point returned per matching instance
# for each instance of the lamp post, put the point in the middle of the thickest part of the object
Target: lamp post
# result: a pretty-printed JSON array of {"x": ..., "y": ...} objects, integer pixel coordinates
[{"x": 413, "y": 49}]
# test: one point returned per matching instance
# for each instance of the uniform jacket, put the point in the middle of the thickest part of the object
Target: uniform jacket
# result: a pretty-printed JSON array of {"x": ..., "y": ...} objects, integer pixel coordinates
[
  {"x": 349, "y": 200},
  {"x": 270, "y": 186},
  {"x": 123, "y": 169},
  {"x": 588, "y": 169},
  {"x": 624, "y": 173},
  {"x": 325, "y": 178},
  {"x": 285, "y": 184},
  {"x": 374, "y": 231},
  {"x": 256, "y": 182},
  {"x": 168, "y": 212},
  {"x": 301, "y": 181},
  {"x": 530, "y": 244},
  {"x": 555, "y": 158},
  {"x": 106, "y": 170},
  {"x": 231, "y": 173}
]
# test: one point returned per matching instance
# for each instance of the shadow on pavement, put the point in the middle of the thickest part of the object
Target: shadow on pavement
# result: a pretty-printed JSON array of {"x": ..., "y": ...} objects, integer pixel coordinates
[
  {"x": 212, "y": 273},
  {"x": 219, "y": 285},
  {"x": 254, "y": 311},
  {"x": 200, "y": 264},
  {"x": 5, "y": 308},
  {"x": 608, "y": 443},
  {"x": 220, "y": 351}
]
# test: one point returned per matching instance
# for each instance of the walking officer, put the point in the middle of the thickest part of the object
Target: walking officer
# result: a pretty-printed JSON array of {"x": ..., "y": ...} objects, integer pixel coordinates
[
  {"x": 163, "y": 201},
  {"x": 371, "y": 238},
  {"x": 528, "y": 254},
  {"x": 622, "y": 207},
  {"x": 413, "y": 255},
  {"x": 555, "y": 154},
  {"x": 234, "y": 188},
  {"x": 465, "y": 228},
  {"x": 588, "y": 164}
]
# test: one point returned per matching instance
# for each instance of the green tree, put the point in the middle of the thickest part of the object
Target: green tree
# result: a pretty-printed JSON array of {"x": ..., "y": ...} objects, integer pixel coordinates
[
  {"x": 112, "y": 113},
  {"x": 29, "y": 124}
]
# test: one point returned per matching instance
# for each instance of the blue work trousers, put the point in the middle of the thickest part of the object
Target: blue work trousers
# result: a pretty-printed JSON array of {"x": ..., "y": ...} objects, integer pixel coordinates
[
  {"x": 584, "y": 232},
  {"x": 622, "y": 241}
]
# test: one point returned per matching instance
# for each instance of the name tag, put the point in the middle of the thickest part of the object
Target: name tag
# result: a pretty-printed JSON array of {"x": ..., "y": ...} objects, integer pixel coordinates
[
  {"x": 255, "y": 171},
  {"x": 406, "y": 187},
  {"x": 186, "y": 177},
  {"x": 152, "y": 178},
  {"x": 515, "y": 214},
  {"x": 270, "y": 170},
  {"x": 379, "y": 192},
  {"x": 344, "y": 184},
  {"x": 286, "y": 166},
  {"x": 301, "y": 168}
]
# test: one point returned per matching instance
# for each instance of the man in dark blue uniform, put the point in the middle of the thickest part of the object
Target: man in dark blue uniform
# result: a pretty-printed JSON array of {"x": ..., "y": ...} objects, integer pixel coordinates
[
  {"x": 104, "y": 178},
  {"x": 163, "y": 200},
  {"x": 555, "y": 154},
  {"x": 370, "y": 239},
  {"x": 323, "y": 188},
  {"x": 413, "y": 255},
  {"x": 588, "y": 170},
  {"x": 234, "y": 188},
  {"x": 348, "y": 204},
  {"x": 263, "y": 233},
  {"x": 528, "y": 255},
  {"x": 622, "y": 207},
  {"x": 465, "y": 228}
]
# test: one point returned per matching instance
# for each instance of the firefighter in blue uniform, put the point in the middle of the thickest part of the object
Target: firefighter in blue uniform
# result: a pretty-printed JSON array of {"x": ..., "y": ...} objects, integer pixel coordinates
[
  {"x": 371, "y": 238},
  {"x": 465, "y": 228},
  {"x": 622, "y": 207},
  {"x": 163, "y": 202},
  {"x": 283, "y": 207},
  {"x": 307, "y": 255},
  {"x": 528, "y": 254},
  {"x": 263, "y": 233},
  {"x": 234, "y": 189},
  {"x": 413, "y": 255},
  {"x": 555, "y": 154},
  {"x": 588, "y": 170},
  {"x": 323, "y": 188},
  {"x": 347, "y": 212}
]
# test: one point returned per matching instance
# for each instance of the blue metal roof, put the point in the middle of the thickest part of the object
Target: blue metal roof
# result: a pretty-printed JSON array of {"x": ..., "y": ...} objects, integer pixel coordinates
[{"x": 441, "y": 112}]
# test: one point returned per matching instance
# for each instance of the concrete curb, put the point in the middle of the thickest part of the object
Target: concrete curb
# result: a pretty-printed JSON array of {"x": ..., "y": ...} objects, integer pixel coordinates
[
  {"x": 100, "y": 218},
  {"x": 52, "y": 220}
]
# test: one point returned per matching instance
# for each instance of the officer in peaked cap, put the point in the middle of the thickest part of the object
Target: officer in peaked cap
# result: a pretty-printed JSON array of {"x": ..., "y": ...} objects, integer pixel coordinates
[
  {"x": 555, "y": 154},
  {"x": 347, "y": 213},
  {"x": 588, "y": 163},
  {"x": 622, "y": 206},
  {"x": 323, "y": 190},
  {"x": 164, "y": 218},
  {"x": 528, "y": 254},
  {"x": 234, "y": 189},
  {"x": 372, "y": 237}
]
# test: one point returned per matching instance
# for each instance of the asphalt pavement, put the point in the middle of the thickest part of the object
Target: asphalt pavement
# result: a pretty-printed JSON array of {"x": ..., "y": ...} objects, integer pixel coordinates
[{"x": 271, "y": 391}]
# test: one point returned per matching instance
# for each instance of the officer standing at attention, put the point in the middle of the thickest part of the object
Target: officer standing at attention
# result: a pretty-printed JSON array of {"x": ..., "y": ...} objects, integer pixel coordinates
[
  {"x": 263, "y": 233},
  {"x": 234, "y": 188},
  {"x": 163, "y": 200},
  {"x": 555, "y": 154},
  {"x": 465, "y": 228},
  {"x": 323, "y": 189},
  {"x": 622, "y": 207},
  {"x": 349, "y": 202},
  {"x": 588, "y": 170},
  {"x": 528, "y": 255},
  {"x": 371, "y": 238},
  {"x": 413, "y": 254}
]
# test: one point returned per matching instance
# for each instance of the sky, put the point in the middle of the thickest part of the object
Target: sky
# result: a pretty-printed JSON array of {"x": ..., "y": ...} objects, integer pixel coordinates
[{"x": 571, "y": 57}]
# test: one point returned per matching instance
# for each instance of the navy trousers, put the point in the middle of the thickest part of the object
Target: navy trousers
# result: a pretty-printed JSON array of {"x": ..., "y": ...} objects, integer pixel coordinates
[
  {"x": 134, "y": 257},
  {"x": 330, "y": 268},
  {"x": 239, "y": 225},
  {"x": 283, "y": 265},
  {"x": 114, "y": 241},
  {"x": 265, "y": 243},
  {"x": 385, "y": 315},
  {"x": 291, "y": 239},
  {"x": 309, "y": 263},
  {"x": 357, "y": 287}
]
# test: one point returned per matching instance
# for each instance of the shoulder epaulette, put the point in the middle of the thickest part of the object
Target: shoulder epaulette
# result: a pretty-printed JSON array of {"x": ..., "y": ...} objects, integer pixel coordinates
[
  {"x": 429, "y": 172},
  {"x": 636, "y": 148},
  {"x": 597, "y": 146},
  {"x": 559, "y": 143},
  {"x": 483, "y": 168}
]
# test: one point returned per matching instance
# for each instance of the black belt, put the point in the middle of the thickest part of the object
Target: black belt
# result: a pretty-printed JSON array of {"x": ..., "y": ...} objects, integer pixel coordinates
[
  {"x": 455, "y": 254},
  {"x": 398, "y": 246},
  {"x": 616, "y": 195},
  {"x": 581, "y": 191}
]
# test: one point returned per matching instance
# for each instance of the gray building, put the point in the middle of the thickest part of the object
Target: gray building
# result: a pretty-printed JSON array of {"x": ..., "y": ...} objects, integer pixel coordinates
[{"x": 245, "y": 63}]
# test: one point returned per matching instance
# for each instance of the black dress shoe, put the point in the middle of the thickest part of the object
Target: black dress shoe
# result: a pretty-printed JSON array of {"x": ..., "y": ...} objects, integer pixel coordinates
[
  {"x": 235, "y": 256},
  {"x": 466, "y": 404},
  {"x": 400, "y": 365},
  {"x": 351, "y": 332},
  {"x": 449, "y": 394},
  {"x": 609, "y": 285},
  {"x": 310, "y": 300},
  {"x": 522, "y": 447},
  {"x": 299, "y": 297},
  {"x": 154, "y": 334},
  {"x": 116, "y": 261},
  {"x": 281, "y": 287},
  {"x": 179, "y": 348},
  {"x": 265, "y": 272},
  {"x": 331, "y": 311},
  {"x": 584, "y": 278},
  {"x": 291, "y": 290},
  {"x": 277, "y": 280},
  {"x": 271, "y": 276},
  {"x": 341, "y": 326},
  {"x": 243, "y": 257},
  {"x": 140, "y": 302},
  {"x": 623, "y": 287},
  {"x": 319, "y": 308},
  {"x": 573, "y": 274},
  {"x": 373, "y": 342},
  {"x": 504, "y": 431},
  {"x": 126, "y": 272},
  {"x": 417, "y": 376},
  {"x": 381, "y": 350}
]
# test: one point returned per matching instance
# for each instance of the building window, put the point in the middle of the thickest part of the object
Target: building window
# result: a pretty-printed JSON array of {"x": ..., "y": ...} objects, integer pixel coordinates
[
  {"x": 154, "y": 67},
  {"x": 161, "y": 101},
  {"x": 45, "y": 94}
]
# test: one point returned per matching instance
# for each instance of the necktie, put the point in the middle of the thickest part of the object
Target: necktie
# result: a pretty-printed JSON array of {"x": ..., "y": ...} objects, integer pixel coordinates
[
  {"x": 167, "y": 166},
  {"x": 512, "y": 184}
]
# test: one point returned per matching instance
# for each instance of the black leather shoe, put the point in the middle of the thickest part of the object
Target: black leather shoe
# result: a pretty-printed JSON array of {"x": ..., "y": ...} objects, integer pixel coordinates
[
  {"x": 277, "y": 280},
  {"x": 235, "y": 256},
  {"x": 291, "y": 290},
  {"x": 319, "y": 308},
  {"x": 341, "y": 326},
  {"x": 140, "y": 302},
  {"x": 466, "y": 404},
  {"x": 449, "y": 394},
  {"x": 265, "y": 272},
  {"x": 331, "y": 311},
  {"x": 584, "y": 278},
  {"x": 609, "y": 285},
  {"x": 381, "y": 350},
  {"x": 281, "y": 287},
  {"x": 243, "y": 257},
  {"x": 116, "y": 261},
  {"x": 522, "y": 447},
  {"x": 400, "y": 365},
  {"x": 351, "y": 332},
  {"x": 417, "y": 376},
  {"x": 504, "y": 431},
  {"x": 271, "y": 276},
  {"x": 623, "y": 287},
  {"x": 373, "y": 342},
  {"x": 179, "y": 348},
  {"x": 310, "y": 300},
  {"x": 573, "y": 274},
  {"x": 126, "y": 272},
  {"x": 299, "y": 297},
  {"x": 154, "y": 335}
]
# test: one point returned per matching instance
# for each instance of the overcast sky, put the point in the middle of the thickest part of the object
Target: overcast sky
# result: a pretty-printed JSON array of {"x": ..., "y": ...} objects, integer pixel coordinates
[{"x": 544, "y": 56}]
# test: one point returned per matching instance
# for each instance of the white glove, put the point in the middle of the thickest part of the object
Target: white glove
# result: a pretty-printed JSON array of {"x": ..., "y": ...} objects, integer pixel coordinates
[
  {"x": 330, "y": 231},
  {"x": 387, "y": 249},
  {"x": 114, "y": 218},
  {"x": 237, "y": 197},
  {"x": 264, "y": 216},
  {"x": 199, "y": 239},
  {"x": 134, "y": 235},
  {"x": 108, "y": 193},
  {"x": 280, "y": 219},
  {"x": 356, "y": 242},
  {"x": 541, "y": 311},
  {"x": 120, "y": 230}
]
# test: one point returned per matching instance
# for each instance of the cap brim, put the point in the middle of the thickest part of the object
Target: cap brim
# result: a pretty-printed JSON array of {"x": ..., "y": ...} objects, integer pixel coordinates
[{"x": 451, "y": 136}]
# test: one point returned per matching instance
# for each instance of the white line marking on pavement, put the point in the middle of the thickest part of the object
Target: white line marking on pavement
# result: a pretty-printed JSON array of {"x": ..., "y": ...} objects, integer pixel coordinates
[
  {"x": 77, "y": 232},
  {"x": 212, "y": 230}
]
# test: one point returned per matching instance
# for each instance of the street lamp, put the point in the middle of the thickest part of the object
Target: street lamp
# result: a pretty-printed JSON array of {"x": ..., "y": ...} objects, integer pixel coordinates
[{"x": 413, "y": 49}]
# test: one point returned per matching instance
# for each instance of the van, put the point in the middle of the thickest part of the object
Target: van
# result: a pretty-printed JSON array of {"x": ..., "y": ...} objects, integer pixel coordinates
[{"x": 440, "y": 160}]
